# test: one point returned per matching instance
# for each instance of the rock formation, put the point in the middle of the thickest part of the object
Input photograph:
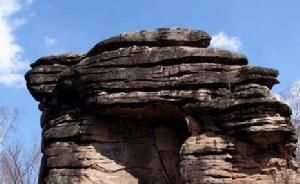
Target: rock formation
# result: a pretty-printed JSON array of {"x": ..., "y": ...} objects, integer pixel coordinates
[{"x": 160, "y": 107}]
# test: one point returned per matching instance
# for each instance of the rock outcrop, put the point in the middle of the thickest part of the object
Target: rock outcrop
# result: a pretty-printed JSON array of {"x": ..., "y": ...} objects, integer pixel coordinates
[{"x": 161, "y": 107}]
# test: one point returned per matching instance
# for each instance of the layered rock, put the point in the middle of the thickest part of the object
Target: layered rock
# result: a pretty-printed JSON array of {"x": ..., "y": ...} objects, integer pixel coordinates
[{"x": 160, "y": 107}]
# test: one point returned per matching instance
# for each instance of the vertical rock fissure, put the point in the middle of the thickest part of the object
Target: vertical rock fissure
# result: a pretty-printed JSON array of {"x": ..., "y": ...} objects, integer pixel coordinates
[{"x": 165, "y": 173}]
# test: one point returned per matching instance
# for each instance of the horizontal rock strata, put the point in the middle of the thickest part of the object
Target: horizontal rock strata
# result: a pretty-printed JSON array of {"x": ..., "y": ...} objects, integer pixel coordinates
[{"x": 160, "y": 107}]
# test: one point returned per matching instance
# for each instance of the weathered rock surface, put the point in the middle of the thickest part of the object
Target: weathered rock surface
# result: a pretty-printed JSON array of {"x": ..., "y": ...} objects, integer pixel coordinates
[{"x": 160, "y": 107}]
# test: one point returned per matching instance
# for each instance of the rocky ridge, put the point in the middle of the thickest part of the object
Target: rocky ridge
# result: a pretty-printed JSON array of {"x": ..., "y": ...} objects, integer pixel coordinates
[{"x": 160, "y": 106}]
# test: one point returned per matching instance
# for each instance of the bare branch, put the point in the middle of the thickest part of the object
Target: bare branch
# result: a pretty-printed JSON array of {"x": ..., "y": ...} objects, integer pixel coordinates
[
  {"x": 8, "y": 118},
  {"x": 19, "y": 164}
]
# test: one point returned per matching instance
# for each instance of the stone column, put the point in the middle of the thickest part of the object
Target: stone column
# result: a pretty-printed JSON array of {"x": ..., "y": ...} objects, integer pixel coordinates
[{"x": 161, "y": 107}]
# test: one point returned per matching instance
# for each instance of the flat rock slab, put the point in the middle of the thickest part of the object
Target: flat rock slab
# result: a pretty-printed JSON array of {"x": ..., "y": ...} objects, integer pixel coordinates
[{"x": 157, "y": 37}]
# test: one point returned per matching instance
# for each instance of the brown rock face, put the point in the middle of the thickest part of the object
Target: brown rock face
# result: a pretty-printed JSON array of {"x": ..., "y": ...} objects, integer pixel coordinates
[{"x": 160, "y": 107}]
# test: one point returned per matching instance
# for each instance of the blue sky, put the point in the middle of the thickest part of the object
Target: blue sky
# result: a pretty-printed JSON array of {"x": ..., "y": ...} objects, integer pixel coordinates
[{"x": 266, "y": 31}]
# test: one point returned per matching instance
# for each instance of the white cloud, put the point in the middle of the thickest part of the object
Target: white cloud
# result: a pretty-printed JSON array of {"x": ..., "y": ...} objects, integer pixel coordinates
[
  {"x": 223, "y": 41},
  {"x": 12, "y": 80},
  {"x": 29, "y": 2},
  {"x": 11, "y": 63},
  {"x": 49, "y": 41},
  {"x": 17, "y": 22}
]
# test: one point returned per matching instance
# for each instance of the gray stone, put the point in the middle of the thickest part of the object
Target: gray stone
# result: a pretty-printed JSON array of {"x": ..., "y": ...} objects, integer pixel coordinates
[
  {"x": 159, "y": 37},
  {"x": 159, "y": 107}
]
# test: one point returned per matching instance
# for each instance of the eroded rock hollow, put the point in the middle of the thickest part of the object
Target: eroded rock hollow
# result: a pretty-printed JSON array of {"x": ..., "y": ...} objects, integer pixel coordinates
[{"x": 160, "y": 107}]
